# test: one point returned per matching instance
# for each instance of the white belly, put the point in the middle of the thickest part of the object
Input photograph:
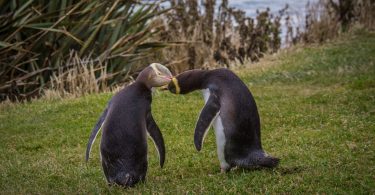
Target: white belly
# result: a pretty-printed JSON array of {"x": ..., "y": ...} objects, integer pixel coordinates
[{"x": 219, "y": 133}]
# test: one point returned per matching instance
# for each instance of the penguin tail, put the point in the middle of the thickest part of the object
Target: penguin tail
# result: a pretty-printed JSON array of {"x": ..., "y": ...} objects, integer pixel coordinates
[
  {"x": 268, "y": 161},
  {"x": 259, "y": 159},
  {"x": 126, "y": 179}
]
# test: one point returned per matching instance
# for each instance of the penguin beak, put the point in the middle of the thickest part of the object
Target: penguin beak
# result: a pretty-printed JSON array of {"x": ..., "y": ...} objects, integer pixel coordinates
[
  {"x": 168, "y": 78},
  {"x": 163, "y": 88}
]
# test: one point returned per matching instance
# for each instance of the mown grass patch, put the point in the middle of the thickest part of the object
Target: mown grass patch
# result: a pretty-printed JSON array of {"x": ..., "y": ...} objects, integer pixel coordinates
[{"x": 317, "y": 107}]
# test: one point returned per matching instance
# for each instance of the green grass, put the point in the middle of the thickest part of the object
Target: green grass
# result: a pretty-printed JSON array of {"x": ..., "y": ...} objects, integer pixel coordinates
[{"x": 317, "y": 107}]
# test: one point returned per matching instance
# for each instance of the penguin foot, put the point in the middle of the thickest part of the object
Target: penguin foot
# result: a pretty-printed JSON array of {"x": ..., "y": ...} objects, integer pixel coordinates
[{"x": 224, "y": 169}]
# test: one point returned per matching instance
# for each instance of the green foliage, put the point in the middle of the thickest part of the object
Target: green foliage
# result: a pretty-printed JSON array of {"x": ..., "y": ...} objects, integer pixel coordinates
[
  {"x": 37, "y": 37},
  {"x": 317, "y": 111}
]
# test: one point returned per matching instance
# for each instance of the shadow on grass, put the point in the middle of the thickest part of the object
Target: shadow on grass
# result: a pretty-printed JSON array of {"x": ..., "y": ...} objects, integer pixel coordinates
[{"x": 280, "y": 170}]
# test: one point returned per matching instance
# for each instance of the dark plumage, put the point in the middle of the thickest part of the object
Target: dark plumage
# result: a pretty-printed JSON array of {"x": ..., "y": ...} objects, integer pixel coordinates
[
  {"x": 233, "y": 111},
  {"x": 124, "y": 122}
]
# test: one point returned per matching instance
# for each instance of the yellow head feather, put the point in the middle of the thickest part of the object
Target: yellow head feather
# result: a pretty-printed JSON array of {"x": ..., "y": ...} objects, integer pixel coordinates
[{"x": 175, "y": 82}]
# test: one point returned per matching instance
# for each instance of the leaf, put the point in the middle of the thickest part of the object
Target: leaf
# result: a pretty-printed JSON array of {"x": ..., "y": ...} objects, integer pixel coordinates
[{"x": 59, "y": 31}]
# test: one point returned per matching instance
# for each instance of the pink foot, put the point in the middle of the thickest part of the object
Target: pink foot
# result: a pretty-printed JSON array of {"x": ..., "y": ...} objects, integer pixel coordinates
[{"x": 224, "y": 170}]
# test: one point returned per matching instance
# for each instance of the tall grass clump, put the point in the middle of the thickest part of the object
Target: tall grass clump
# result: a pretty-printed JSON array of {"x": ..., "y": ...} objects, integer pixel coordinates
[{"x": 37, "y": 38}]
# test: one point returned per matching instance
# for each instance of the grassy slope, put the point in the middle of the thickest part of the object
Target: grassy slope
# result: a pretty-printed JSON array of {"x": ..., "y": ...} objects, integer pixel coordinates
[{"x": 317, "y": 107}]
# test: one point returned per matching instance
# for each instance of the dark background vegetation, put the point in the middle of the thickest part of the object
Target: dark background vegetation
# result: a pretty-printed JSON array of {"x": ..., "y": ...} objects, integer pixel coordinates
[{"x": 80, "y": 47}]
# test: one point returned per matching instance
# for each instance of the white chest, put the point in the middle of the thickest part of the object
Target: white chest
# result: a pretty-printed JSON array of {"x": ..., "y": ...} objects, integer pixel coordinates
[{"x": 219, "y": 133}]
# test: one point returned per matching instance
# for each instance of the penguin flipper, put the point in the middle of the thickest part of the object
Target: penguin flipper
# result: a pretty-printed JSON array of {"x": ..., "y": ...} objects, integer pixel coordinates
[
  {"x": 157, "y": 137},
  {"x": 95, "y": 131},
  {"x": 207, "y": 115}
]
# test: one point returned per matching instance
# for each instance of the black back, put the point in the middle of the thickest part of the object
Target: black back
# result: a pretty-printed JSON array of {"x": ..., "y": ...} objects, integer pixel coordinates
[
  {"x": 124, "y": 140},
  {"x": 238, "y": 109}
]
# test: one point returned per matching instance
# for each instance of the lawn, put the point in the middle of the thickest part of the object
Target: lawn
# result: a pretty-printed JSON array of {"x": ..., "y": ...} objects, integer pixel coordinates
[{"x": 317, "y": 108}]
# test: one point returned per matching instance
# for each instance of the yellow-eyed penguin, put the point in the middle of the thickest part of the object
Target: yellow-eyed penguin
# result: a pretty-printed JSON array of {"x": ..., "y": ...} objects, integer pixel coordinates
[
  {"x": 124, "y": 124},
  {"x": 231, "y": 108}
]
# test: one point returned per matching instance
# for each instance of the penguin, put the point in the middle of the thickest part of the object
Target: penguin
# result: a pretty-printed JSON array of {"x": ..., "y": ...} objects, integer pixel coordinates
[
  {"x": 125, "y": 123},
  {"x": 231, "y": 109}
]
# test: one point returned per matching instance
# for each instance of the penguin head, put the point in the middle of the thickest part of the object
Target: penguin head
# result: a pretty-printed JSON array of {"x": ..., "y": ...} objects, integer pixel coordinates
[
  {"x": 155, "y": 75},
  {"x": 187, "y": 81}
]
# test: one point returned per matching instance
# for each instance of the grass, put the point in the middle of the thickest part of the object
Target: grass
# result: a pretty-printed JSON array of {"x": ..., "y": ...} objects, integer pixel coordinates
[{"x": 317, "y": 107}]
